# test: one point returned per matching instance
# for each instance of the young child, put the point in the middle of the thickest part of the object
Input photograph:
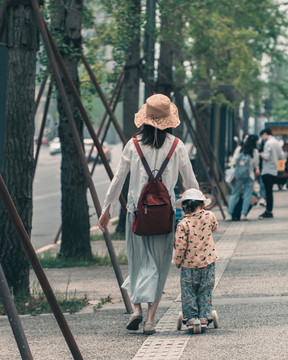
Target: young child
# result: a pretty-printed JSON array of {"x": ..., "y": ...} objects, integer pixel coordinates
[{"x": 196, "y": 255}]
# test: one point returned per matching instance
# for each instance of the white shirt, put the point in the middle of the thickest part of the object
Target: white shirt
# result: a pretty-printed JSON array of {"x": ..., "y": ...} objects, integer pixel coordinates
[
  {"x": 130, "y": 161},
  {"x": 271, "y": 154}
]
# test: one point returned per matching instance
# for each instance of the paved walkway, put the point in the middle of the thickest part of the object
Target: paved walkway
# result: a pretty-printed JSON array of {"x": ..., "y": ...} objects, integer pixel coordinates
[{"x": 251, "y": 298}]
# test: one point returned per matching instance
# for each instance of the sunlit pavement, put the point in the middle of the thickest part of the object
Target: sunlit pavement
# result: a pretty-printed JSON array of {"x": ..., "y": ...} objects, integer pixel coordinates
[{"x": 250, "y": 297}]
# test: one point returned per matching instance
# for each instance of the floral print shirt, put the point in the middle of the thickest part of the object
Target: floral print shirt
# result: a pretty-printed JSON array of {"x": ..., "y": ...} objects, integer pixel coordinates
[{"x": 194, "y": 245}]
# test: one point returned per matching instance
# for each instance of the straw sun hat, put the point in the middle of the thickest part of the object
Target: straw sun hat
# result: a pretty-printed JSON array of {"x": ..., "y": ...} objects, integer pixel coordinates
[
  {"x": 159, "y": 112},
  {"x": 192, "y": 194}
]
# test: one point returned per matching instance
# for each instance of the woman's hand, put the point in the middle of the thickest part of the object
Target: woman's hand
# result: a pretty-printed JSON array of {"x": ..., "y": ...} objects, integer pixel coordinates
[
  {"x": 104, "y": 220},
  {"x": 257, "y": 171}
]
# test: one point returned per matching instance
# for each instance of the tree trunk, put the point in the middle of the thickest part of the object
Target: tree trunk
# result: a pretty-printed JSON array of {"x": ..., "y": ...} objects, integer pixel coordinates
[
  {"x": 131, "y": 79},
  {"x": 18, "y": 167},
  {"x": 165, "y": 77},
  {"x": 66, "y": 20},
  {"x": 204, "y": 114},
  {"x": 179, "y": 78},
  {"x": 131, "y": 90}
]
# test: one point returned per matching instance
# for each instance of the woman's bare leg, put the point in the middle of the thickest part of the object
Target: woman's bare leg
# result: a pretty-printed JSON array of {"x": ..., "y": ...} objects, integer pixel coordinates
[{"x": 152, "y": 311}]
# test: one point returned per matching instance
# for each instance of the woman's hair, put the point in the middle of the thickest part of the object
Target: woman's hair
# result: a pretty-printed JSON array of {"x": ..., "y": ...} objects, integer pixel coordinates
[
  {"x": 189, "y": 206},
  {"x": 249, "y": 145},
  {"x": 152, "y": 136}
]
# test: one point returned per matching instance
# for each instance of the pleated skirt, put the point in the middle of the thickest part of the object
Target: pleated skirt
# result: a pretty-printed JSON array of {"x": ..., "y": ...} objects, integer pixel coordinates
[{"x": 149, "y": 261}]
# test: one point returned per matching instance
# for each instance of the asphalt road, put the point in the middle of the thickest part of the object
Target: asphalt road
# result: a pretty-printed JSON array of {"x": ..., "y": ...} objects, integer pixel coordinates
[{"x": 47, "y": 195}]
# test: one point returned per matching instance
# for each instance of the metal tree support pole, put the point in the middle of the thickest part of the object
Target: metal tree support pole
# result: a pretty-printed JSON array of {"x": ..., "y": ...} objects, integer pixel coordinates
[
  {"x": 41, "y": 132},
  {"x": 102, "y": 96},
  {"x": 203, "y": 150},
  {"x": 40, "y": 93},
  {"x": 34, "y": 261},
  {"x": 204, "y": 158},
  {"x": 114, "y": 98},
  {"x": 201, "y": 147},
  {"x": 2, "y": 11},
  {"x": 207, "y": 141},
  {"x": 2, "y": 28},
  {"x": 14, "y": 319},
  {"x": 97, "y": 157},
  {"x": 78, "y": 144},
  {"x": 107, "y": 126},
  {"x": 147, "y": 83},
  {"x": 56, "y": 54},
  {"x": 116, "y": 90}
]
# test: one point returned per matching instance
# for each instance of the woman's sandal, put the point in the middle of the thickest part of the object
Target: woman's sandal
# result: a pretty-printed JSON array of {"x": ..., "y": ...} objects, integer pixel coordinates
[
  {"x": 134, "y": 321},
  {"x": 149, "y": 328}
]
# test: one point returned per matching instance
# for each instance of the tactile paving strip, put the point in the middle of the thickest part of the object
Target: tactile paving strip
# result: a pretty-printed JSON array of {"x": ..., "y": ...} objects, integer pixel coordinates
[{"x": 168, "y": 342}]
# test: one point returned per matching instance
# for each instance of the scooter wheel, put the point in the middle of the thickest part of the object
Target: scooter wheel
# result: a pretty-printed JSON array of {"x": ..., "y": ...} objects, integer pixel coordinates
[
  {"x": 197, "y": 329},
  {"x": 179, "y": 320},
  {"x": 215, "y": 319}
]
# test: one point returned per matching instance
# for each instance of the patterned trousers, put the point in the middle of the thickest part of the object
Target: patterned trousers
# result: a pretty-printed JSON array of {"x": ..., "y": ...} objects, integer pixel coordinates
[{"x": 197, "y": 285}]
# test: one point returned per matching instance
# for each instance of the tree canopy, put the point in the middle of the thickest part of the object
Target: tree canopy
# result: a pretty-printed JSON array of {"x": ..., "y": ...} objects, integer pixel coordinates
[{"x": 225, "y": 44}]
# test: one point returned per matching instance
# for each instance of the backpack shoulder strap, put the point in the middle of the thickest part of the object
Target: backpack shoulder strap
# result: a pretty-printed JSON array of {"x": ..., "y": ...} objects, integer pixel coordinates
[
  {"x": 142, "y": 157},
  {"x": 163, "y": 166}
]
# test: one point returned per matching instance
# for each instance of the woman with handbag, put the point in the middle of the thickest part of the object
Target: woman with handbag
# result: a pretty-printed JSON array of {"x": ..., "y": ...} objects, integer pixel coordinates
[{"x": 149, "y": 256}]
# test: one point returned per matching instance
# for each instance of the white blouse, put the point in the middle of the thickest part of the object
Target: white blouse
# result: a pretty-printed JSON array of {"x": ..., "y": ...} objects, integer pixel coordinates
[{"x": 130, "y": 161}]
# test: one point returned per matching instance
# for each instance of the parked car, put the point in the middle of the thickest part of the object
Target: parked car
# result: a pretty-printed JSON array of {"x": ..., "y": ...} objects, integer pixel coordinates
[
  {"x": 88, "y": 143},
  {"x": 44, "y": 141},
  {"x": 55, "y": 146}
]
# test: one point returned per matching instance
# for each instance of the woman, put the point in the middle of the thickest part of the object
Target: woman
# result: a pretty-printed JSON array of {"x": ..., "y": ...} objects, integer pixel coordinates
[
  {"x": 149, "y": 257},
  {"x": 249, "y": 148}
]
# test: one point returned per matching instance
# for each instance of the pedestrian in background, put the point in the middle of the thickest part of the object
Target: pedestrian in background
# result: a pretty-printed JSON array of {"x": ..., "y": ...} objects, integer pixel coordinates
[
  {"x": 195, "y": 253},
  {"x": 149, "y": 257},
  {"x": 272, "y": 152},
  {"x": 239, "y": 147},
  {"x": 246, "y": 181},
  {"x": 262, "y": 191}
]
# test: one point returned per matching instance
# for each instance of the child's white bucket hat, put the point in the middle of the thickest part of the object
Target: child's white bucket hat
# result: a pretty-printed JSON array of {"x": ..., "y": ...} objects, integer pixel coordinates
[{"x": 192, "y": 194}]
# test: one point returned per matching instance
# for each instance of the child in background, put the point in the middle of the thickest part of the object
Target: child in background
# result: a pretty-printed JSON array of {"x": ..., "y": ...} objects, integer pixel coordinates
[{"x": 196, "y": 255}]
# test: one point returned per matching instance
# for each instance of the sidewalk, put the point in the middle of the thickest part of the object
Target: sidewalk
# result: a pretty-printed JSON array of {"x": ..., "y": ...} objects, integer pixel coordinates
[{"x": 251, "y": 298}]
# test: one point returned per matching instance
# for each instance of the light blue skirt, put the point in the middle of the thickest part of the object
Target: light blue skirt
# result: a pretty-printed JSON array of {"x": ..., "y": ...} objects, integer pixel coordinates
[{"x": 149, "y": 261}]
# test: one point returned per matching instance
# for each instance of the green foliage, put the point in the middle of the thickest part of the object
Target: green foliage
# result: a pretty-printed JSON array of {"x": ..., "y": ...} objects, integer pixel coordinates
[
  {"x": 223, "y": 43},
  {"x": 113, "y": 236},
  {"x": 102, "y": 302},
  {"x": 280, "y": 110},
  {"x": 49, "y": 260},
  {"x": 37, "y": 303},
  {"x": 226, "y": 42},
  {"x": 127, "y": 19}
]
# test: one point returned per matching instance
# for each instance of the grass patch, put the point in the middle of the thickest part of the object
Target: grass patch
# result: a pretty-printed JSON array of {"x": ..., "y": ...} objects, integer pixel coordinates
[
  {"x": 113, "y": 236},
  {"x": 37, "y": 303},
  {"x": 101, "y": 303},
  {"x": 49, "y": 260}
]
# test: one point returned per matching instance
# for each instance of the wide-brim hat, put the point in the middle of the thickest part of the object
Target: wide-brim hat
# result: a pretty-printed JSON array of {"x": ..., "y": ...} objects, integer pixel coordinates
[
  {"x": 159, "y": 112},
  {"x": 192, "y": 194}
]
